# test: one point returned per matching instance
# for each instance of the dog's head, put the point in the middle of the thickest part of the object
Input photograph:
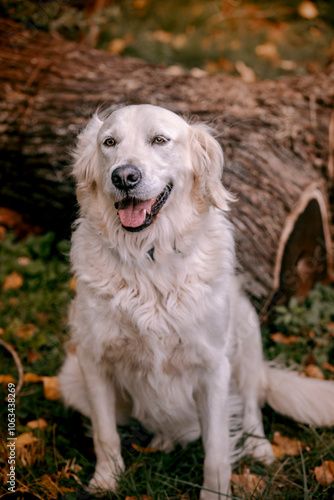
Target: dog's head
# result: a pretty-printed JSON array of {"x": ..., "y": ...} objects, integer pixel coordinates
[{"x": 144, "y": 159}]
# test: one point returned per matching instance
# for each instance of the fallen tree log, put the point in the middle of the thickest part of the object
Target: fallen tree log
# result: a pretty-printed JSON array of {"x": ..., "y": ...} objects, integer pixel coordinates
[{"x": 275, "y": 135}]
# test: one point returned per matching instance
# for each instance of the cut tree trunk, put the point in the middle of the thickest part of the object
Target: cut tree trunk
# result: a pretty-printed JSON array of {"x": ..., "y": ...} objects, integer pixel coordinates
[{"x": 275, "y": 134}]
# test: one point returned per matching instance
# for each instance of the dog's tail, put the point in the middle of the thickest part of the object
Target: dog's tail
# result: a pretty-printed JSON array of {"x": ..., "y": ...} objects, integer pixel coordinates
[{"x": 306, "y": 400}]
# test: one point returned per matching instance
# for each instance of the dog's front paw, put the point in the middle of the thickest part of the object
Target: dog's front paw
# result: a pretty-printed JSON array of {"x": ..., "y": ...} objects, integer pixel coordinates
[
  {"x": 106, "y": 477},
  {"x": 215, "y": 495}
]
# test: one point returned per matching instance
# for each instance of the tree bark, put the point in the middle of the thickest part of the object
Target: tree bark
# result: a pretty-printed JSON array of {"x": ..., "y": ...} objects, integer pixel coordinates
[{"x": 276, "y": 135}]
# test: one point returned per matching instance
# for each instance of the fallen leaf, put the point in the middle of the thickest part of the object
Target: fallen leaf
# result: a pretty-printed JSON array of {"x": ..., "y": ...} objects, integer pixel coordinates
[
  {"x": 32, "y": 356},
  {"x": 7, "y": 379},
  {"x": 330, "y": 326},
  {"x": 179, "y": 41},
  {"x": 328, "y": 366},
  {"x": 26, "y": 331},
  {"x": 324, "y": 474},
  {"x": 314, "y": 371},
  {"x": 284, "y": 339},
  {"x": 283, "y": 445},
  {"x": 246, "y": 73},
  {"x": 23, "y": 261},
  {"x": 32, "y": 377},
  {"x": 288, "y": 65},
  {"x": 37, "y": 424},
  {"x": 73, "y": 283},
  {"x": 162, "y": 36},
  {"x": 25, "y": 439},
  {"x": 142, "y": 449},
  {"x": 248, "y": 482},
  {"x": 198, "y": 72},
  {"x": 13, "y": 281},
  {"x": 268, "y": 50},
  {"x": 9, "y": 217},
  {"x": 307, "y": 10},
  {"x": 51, "y": 388},
  {"x": 116, "y": 46}
]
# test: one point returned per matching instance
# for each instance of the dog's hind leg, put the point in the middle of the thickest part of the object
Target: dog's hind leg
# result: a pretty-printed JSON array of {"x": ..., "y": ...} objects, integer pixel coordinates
[{"x": 249, "y": 374}]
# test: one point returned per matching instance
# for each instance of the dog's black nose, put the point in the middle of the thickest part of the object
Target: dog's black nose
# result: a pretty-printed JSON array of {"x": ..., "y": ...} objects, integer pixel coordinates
[{"x": 126, "y": 177}]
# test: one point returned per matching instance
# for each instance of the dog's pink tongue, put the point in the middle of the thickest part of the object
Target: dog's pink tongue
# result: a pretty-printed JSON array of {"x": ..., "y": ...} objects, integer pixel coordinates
[{"x": 134, "y": 212}]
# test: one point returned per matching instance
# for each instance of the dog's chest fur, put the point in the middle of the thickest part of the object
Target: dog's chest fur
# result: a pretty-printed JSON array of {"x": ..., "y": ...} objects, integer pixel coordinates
[{"x": 153, "y": 327}]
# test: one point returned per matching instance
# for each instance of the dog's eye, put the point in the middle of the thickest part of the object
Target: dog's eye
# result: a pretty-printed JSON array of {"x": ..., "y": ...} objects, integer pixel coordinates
[
  {"x": 159, "y": 140},
  {"x": 110, "y": 142}
]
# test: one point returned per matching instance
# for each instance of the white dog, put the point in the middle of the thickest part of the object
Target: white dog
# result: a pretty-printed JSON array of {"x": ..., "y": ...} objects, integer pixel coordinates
[{"x": 160, "y": 328}]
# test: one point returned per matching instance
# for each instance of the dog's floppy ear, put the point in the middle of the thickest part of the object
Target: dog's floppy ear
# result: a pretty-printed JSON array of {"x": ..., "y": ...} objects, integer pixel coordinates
[
  {"x": 208, "y": 162},
  {"x": 85, "y": 153}
]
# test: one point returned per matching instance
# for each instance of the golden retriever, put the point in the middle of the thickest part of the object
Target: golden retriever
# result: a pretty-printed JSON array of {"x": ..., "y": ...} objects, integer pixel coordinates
[{"x": 161, "y": 329}]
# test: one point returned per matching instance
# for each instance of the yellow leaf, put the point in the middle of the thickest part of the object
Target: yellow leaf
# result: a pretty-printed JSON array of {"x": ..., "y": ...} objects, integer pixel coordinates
[
  {"x": 116, "y": 46},
  {"x": 307, "y": 10},
  {"x": 23, "y": 261},
  {"x": 283, "y": 339},
  {"x": 283, "y": 445},
  {"x": 13, "y": 281},
  {"x": 314, "y": 372},
  {"x": 324, "y": 474},
  {"x": 246, "y": 73},
  {"x": 37, "y": 424},
  {"x": 32, "y": 377},
  {"x": 142, "y": 449},
  {"x": 26, "y": 331},
  {"x": 268, "y": 50},
  {"x": 7, "y": 379},
  {"x": 162, "y": 36},
  {"x": 25, "y": 439},
  {"x": 73, "y": 283},
  {"x": 51, "y": 388}
]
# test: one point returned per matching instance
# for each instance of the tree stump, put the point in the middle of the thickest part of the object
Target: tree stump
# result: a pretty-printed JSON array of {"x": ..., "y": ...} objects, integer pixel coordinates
[{"x": 276, "y": 135}]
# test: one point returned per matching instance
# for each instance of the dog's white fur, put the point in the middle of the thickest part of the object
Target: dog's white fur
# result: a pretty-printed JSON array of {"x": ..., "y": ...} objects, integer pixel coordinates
[{"x": 162, "y": 331}]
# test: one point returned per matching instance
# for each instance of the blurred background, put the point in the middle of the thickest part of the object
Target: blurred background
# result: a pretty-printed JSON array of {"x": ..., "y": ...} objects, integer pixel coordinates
[{"x": 252, "y": 39}]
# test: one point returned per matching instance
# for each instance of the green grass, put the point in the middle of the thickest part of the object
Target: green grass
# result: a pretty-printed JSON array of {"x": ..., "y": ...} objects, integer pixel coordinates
[{"x": 54, "y": 466}]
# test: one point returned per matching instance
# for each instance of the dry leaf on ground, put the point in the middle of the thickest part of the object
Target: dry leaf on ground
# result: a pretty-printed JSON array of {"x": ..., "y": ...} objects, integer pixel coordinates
[
  {"x": 269, "y": 51},
  {"x": 324, "y": 474},
  {"x": 25, "y": 439},
  {"x": 283, "y": 445},
  {"x": 51, "y": 388},
  {"x": 7, "y": 379},
  {"x": 37, "y": 424},
  {"x": 247, "y": 483},
  {"x": 13, "y": 281},
  {"x": 247, "y": 74},
  {"x": 314, "y": 371},
  {"x": 328, "y": 366},
  {"x": 284, "y": 339},
  {"x": 307, "y": 10},
  {"x": 142, "y": 449},
  {"x": 26, "y": 331},
  {"x": 32, "y": 377}
]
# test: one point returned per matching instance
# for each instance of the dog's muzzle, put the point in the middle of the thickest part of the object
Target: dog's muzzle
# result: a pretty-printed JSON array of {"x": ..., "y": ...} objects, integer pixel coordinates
[{"x": 136, "y": 215}]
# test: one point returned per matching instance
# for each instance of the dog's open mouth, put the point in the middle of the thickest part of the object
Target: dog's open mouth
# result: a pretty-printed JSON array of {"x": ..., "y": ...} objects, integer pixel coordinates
[{"x": 136, "y": 215}]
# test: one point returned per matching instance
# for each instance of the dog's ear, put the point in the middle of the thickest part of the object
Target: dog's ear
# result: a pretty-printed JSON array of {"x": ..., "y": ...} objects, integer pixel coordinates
[
  {"x": 85, "y": 153},
  {"x": 208, "y": 162}
]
